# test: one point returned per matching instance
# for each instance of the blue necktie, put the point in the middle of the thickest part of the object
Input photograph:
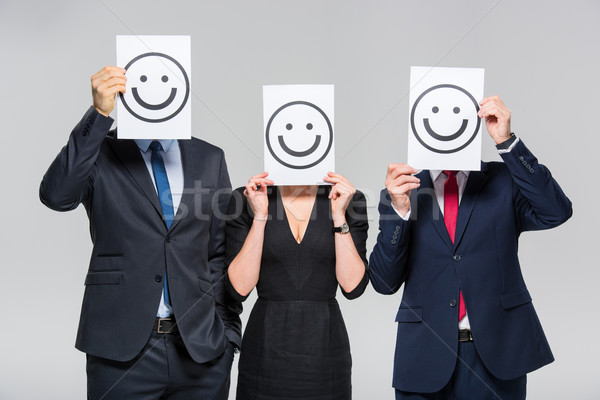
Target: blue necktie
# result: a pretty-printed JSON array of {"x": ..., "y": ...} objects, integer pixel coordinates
[{"x": 164, "y": 195}]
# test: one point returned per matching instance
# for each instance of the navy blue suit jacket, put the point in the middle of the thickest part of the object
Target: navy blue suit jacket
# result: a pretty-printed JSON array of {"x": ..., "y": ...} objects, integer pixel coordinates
[{"x": 498, "y": 203}]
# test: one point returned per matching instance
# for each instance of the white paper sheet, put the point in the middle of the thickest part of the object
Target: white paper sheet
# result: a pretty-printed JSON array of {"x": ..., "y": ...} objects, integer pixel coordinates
[
  {"x": 298, "y": 135},
  {"x": 157, "y": 102},
  {"x": 444, "y": 129}
]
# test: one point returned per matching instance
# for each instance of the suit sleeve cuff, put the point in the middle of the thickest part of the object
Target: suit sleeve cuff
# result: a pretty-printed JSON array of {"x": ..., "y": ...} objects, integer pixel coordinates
[
  {"x": 99, "y": 118},
  {"x": 507, "y": 145},
  {"x": 404, "y": 217}
]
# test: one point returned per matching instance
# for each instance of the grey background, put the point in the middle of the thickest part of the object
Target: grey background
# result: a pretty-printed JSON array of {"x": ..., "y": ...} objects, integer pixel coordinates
[{"x": 540, "y": 56}]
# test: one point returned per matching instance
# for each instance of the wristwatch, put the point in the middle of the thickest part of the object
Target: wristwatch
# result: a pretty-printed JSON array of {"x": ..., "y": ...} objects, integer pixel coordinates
[{"x": 343, "y": 229}]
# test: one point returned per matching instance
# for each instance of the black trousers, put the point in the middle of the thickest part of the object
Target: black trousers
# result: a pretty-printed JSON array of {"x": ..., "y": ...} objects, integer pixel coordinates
[
  {"x": 472, "y": 381},
  {"x": 163, "y": 370}
]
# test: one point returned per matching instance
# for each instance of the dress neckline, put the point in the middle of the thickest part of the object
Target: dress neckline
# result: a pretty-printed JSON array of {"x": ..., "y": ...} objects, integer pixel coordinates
[{"x": 287, "y": 221}]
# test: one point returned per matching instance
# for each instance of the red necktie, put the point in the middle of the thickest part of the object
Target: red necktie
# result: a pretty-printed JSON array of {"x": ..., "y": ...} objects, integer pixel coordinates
[{"x": 450, "y": 216}]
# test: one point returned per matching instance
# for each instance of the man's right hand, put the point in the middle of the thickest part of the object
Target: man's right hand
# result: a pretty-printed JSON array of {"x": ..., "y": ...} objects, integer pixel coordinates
[
  {"x": 399, "y": 182},
  {"x": 105, "y": 85}
]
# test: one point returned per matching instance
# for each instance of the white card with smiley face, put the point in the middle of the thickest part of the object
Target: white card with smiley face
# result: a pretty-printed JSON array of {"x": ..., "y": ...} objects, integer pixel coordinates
[
  {"x": 298, "y": 135},
  {"x": 157, "y": 100},
  {"x": 444, "y": 131}
]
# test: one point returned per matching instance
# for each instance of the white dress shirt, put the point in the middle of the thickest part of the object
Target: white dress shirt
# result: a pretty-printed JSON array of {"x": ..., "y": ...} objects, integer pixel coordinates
[{"x": 172, "y": 159}]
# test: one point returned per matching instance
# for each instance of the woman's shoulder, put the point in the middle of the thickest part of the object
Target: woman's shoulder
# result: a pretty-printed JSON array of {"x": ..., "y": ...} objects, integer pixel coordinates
[
  {"x": 237, "y": 195},
  {"x": 359, "y": 196}
]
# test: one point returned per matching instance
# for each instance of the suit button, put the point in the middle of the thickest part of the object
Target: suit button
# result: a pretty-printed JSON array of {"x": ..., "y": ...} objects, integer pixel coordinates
[
  {"x": 531, "y": 170},
  {"x": 452, "y": 303},
  {"x": 521, "y": 158},
  {"x": 457, "y": 257},
  {"x": 394, "y": 241},
  {"x": 168, "y": 239},
  {"x": 158, "y": 278}
]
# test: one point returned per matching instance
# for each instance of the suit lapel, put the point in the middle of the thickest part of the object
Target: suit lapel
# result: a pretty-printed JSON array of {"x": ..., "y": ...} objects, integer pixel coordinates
[
  {"x": 428, "y": 205},
  {"x": 129, "y": 154},
  {"x": 189, "y": 163},
  {"x": 475, "y": 183}
]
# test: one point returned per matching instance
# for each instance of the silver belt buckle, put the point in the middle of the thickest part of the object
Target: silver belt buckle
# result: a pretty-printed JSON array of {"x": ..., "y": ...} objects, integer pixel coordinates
[
  {"x": 468, "y": 338},
  {"x": 159, "y": 327}
]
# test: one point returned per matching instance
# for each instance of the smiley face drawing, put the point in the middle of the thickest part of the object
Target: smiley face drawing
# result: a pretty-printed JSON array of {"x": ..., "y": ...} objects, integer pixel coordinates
[
  {"x": 158, "y": 87},
  {"x": 299, "y": 135},
  {"x": 444, "y": 118}
]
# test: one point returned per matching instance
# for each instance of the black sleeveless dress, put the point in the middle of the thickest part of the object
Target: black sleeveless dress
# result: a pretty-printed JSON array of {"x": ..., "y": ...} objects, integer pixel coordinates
[{"x": 295, "y": 345}]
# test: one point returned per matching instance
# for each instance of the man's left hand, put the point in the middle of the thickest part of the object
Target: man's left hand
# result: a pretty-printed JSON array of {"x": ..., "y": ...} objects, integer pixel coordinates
[{"x": 497, "y": 118}]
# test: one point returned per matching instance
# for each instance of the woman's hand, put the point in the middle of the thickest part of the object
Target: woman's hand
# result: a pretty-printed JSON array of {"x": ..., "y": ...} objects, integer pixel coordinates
[
  {"x": 340, "y": 195},
  {"x": 256, "y": 193}
]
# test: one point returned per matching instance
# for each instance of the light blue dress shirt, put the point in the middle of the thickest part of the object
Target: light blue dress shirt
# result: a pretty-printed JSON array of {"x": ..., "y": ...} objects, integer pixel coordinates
[{"x": 172, "y": 159}]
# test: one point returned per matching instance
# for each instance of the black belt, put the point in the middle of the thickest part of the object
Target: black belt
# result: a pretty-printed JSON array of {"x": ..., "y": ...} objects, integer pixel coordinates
[
  {"x": 464, "y": 335},
  {"x": 165, "y": 325}
]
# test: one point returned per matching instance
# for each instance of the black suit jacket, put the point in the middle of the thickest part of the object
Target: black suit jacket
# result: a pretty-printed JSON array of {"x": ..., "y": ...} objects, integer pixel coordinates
[{"x": 132, "y": 246}]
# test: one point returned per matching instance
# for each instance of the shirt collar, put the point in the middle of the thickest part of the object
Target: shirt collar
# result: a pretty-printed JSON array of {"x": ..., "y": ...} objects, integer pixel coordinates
[
  {"x": 144, "y": 144},
  {"x": 435, "y": 173}
]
